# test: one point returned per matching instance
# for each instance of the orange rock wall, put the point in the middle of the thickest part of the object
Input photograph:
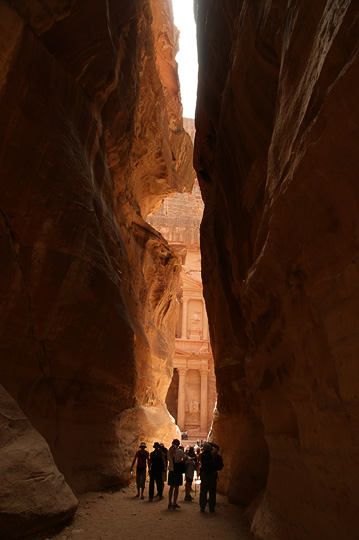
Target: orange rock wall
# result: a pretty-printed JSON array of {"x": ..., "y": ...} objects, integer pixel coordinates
[
  {"x": 92, "y": 140},
  {"x": 277, "y": 157}
]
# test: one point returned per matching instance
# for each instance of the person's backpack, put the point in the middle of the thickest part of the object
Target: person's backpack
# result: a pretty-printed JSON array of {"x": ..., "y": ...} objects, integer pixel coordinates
[
  {"x": 208, "y": 464},
  {"x": 179, "y": 467},
  {"x": 218, "y": 462}
]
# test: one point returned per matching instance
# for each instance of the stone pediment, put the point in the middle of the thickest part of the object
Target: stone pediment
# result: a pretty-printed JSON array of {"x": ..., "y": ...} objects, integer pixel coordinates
[
  {"x": 193, "y": 348},
  {"x": 190, "y": 283},
  {"x": 179, "y": 352}
]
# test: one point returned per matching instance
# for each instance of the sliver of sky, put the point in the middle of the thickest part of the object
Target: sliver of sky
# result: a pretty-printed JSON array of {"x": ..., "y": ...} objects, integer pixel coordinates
[{"x": 187, "y": 55}]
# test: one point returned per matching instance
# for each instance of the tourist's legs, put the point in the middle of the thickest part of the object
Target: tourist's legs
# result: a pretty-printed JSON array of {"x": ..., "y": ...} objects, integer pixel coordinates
[
  {"x": 138, "y": 480},
  {"x": 142, "y": 480},
  {"x": 175, "y": 495},
  {"x": 151, "y": 488},
  {"x": 212, "y": 486},
  {"x": 203, "y": 492},
  {"x": 170, "y": 492},
  {"x": 188, "y": 489},
  {"x": 159, "y": 483}
]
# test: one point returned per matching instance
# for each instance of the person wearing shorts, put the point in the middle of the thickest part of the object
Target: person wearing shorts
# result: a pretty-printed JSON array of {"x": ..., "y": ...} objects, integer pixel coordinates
[{"x": 142, "y": 457}]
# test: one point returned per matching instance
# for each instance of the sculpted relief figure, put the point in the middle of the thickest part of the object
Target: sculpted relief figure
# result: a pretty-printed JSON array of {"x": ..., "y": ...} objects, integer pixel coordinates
[
  {"x": 193, "y": 406},
  {"x": 195, "y": 320}
]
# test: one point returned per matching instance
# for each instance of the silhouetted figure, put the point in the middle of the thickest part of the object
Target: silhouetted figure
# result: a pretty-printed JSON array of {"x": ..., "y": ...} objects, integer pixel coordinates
[
  {"x": 142, "y": 457},
  {"x": 157, "y": 465},
  {"x": 191, "y": 463},
  {"x": 176, "y": 469},
  {"x": 164, "y": 474},
  {"x": 208, "y": 473}
]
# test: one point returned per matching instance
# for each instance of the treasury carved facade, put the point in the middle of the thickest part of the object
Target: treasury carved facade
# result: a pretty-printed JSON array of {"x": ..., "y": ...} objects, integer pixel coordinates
[{"x": 192, "y": 394}]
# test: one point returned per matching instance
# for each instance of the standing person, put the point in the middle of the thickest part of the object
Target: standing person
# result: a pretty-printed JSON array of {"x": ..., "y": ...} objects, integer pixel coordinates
[
  {"x": 164, "y": 474},
  {"x": 208, "y": 473},
  {"x": 176, "y": 468},
  {"x": 191, "y": 462},
  {"x": 157, "y": 465},
  {"x": 142, "y": 457}
]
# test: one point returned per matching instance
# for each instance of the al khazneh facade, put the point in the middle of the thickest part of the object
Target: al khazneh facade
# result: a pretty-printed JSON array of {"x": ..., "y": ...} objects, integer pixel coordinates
[{"x": 192, "y": 394}]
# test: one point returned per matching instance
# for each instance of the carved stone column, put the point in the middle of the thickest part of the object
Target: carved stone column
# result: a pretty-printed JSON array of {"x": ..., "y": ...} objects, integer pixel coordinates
[
  {"x": 181, "y": 411},
  {"x": 204, "y": 400},
  {"x": 184, "y": 317},
  {"x": 205, "y": 335}
]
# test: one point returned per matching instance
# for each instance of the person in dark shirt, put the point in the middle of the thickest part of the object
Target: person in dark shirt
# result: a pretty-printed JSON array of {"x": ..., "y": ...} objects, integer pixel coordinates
[
  {"x": 164, "y": 474},
  {"x": 157, "y": 465},
  {"x": 142, "y": 457},
  {"x": 208, "y": 473}
]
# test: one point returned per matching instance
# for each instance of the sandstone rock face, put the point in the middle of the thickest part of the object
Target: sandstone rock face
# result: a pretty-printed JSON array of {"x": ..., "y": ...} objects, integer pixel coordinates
[
  {"x": 33, "y": 493},
  {"x": 92, "y": 140},
  {"x": 277, "y": 157}
]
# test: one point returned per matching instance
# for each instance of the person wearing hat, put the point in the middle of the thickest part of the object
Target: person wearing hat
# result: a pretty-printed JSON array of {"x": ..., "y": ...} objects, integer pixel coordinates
[
  {"x": 142, "y": 457},
  {"x": 157, "y": 465},
  {"x": 176, "y": 459}
]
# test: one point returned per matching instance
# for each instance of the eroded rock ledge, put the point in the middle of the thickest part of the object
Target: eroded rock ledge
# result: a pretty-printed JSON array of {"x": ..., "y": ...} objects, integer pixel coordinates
[
  {"x": 92, "y": 140},
  {"x": 277, "y": 157}
]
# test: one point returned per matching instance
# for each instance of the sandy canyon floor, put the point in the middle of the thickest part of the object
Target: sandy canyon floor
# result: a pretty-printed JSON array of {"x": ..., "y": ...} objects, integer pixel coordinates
[{"x": 119, "y": 515}]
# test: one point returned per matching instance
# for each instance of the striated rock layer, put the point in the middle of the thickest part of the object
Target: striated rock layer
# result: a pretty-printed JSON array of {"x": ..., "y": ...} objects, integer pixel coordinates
[
  {"x": 277, "y": 158},
  {"x": 92, "y": 140}
]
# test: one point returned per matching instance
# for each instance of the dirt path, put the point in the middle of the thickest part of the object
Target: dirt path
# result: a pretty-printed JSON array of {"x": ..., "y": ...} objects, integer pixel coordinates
[{"x": 119, "y": 515}]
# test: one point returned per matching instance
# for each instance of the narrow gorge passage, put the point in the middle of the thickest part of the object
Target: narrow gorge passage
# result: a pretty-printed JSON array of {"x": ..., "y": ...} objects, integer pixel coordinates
[{"x": 92, "y": 141}]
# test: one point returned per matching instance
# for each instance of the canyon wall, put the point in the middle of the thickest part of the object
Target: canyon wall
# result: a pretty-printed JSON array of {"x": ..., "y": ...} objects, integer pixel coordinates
[
  {"x": 33, "y": 493},
  {"x": 92, "y": 140},
  {"x": 277, "y": 156}
]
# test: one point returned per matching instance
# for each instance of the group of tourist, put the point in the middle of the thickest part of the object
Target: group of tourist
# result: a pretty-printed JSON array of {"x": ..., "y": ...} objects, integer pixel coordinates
[{"x": 204, "y": 460}]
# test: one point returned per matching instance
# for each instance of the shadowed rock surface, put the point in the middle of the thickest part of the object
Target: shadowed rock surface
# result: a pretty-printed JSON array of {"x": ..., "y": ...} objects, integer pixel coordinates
[
  {"x": 33, "y": 493},
  {"x": 277, "y": 156},
  {"x": 92, "y": 140}
]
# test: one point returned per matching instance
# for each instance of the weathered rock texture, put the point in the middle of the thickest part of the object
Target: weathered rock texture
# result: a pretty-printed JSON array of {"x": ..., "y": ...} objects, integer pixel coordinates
[
  {"x": 91, "y": 141},
  {"x": 33, "y": 493},
  {"x": 277, "y": 157}
]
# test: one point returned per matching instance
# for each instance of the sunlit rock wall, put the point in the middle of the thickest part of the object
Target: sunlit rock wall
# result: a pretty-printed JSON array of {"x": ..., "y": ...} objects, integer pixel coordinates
[
  {"x": 91, "y": 141},
  {"x": 277, "y": 156}
]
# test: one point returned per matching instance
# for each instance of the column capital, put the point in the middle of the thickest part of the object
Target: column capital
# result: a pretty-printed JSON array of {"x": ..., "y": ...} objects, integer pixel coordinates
[
  {"x": 184, "y": 317},
  {"x": 204, "y": 398},
  {"x": 181, "y": 398}
]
